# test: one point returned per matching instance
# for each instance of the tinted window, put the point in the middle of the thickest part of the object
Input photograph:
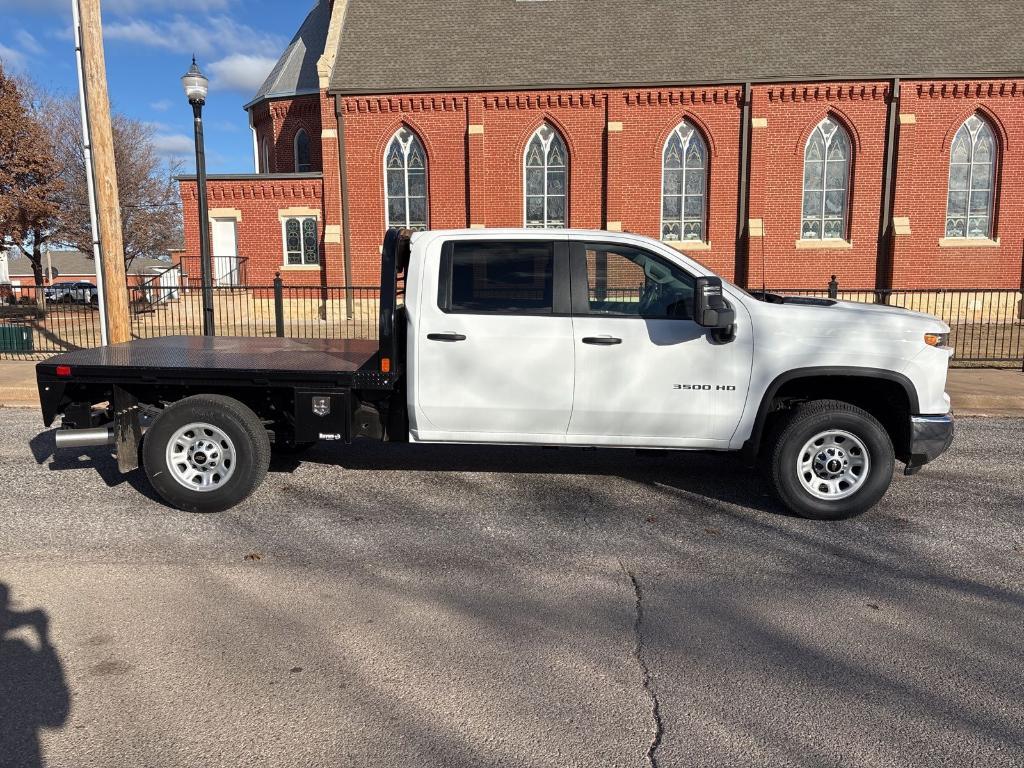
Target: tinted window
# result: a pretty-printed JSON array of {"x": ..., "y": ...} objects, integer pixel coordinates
[
  {"x": 629, "y": 281},
  {"x": 501, "y": 277}
]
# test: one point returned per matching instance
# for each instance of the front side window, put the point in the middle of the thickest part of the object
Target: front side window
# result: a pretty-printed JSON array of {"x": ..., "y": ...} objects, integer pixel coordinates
[
  {"x": 303, "y": 160},
  {"x": 683, "y": 185},
  {"x": 405, "y": 169},
  {"x": 499, "y": 278},
  {"x": 545, "y": 179},
  {"x": 972, "y": 165},
  {"x": 301, "y": 241},
  {"x": 826, "y": 182},
  {"x": 631, "y": 282}
]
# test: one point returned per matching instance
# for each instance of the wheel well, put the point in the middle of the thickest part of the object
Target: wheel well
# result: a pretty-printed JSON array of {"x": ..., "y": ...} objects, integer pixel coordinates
[{"x": 885, "y": 399}]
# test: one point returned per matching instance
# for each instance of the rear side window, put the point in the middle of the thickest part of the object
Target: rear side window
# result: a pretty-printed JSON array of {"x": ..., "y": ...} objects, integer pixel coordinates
[{"x": 499, "y": 278}]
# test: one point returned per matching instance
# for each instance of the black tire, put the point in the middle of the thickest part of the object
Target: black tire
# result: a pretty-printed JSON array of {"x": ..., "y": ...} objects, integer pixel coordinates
[
  {"x": 797, "y": 428},
  {"x": 251, "y": 455}
]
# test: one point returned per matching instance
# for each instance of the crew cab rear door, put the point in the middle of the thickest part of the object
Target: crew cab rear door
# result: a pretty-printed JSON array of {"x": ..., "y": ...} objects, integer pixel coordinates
[
  {"x": 646, "y": 373},
  {"x": 492, "y": 341}
]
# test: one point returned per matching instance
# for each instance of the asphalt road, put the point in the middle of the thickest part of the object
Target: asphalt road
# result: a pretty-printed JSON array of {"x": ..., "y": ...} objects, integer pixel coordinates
[{"x": 411, "y": 606}]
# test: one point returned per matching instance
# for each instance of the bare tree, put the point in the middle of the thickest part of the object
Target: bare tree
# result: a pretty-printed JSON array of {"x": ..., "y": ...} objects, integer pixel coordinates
[
  {"x": 150, "y": 205},
  {"x": 31, "y": 183}
]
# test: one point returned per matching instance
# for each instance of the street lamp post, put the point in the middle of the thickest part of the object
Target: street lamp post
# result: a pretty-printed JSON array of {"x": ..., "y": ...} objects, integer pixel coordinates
[{"x": 196, "y": 88}]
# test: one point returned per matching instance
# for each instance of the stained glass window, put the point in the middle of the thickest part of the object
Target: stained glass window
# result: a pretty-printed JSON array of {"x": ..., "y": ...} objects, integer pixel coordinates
[
  {"x": 826, "y": 182},
  {"x": 684, "y": 167},
  {"x": 546, "y": 179},
  {"x": 301, "y": 241},
  {"x": 303, "y": 162},
  {"x": 972, "y": 164},
  {"x": 405, "y": 171}
]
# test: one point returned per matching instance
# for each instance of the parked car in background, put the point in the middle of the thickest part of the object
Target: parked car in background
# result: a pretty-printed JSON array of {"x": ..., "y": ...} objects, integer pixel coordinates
[{"x": 81, "y": 292}]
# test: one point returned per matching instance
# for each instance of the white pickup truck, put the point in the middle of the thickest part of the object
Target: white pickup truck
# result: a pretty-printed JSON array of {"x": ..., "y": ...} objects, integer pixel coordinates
[{"x": 538, "y": 337}]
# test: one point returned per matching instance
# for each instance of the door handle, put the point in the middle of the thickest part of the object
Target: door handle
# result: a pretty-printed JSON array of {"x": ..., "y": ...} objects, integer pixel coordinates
[
  {"x": 446, "y": 337},
  {"x": 602, "y": 341}
]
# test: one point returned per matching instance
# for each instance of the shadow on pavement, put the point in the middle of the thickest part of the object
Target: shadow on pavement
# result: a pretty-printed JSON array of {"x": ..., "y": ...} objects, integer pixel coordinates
[
  {"x": 101, "y": 460},
  {"x": 33, "y": 692}
]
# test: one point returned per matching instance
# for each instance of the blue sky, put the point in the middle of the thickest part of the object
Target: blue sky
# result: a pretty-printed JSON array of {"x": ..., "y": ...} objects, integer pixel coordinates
[{"x": 149, "y": 45}]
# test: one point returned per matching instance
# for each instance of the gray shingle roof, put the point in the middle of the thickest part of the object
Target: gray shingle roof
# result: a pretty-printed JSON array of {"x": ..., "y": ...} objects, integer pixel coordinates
[
  {"x": 76, "y": 263},
  {"x": 295, "y": 72},
  {"x": 433, "y": 45}
]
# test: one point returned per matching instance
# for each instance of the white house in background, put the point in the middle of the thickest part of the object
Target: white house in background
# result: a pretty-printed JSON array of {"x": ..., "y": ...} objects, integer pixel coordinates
[{"x": 75, "y": 266}]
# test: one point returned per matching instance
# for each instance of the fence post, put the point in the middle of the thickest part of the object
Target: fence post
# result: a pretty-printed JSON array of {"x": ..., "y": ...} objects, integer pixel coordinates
[
  {"x": 833, "y": 288},
  {"x": 279, "y": 305}
]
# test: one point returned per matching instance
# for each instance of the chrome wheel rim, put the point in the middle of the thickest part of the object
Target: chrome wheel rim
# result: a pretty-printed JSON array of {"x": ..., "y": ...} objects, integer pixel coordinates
[
  {"x": 833, "y": 465},
  {"x": 201, "y": 457}
]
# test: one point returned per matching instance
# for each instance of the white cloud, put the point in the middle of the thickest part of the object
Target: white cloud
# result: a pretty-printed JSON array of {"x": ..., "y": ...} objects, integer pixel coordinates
[
  {"x": 163, "y": 105},
  {"x": 28, "y": 42},
  {"x": 214, "y": 34},
  {"x": 115, "y": 6},
  {"x": 11, "y": 59},
  {"x": 241, "y": 72},
  {"x": 176, "y": 146}
]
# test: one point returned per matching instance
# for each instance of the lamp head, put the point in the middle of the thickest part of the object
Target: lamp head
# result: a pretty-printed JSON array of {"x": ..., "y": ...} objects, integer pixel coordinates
[{"x": 196, "y": 84}]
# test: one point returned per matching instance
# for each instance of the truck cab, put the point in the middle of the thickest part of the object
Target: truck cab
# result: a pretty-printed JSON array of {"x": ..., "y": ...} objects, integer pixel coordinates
[{"x": 567, "y": 338}]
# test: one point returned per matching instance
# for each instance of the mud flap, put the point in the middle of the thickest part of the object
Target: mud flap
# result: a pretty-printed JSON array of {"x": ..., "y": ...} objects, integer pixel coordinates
[{"x": 127, "y": 430}]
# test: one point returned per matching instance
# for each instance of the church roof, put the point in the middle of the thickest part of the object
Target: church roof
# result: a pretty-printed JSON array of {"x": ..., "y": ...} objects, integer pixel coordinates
[
  {"x": 295, "y": 72},
  {"x": 396, "y": 46}
]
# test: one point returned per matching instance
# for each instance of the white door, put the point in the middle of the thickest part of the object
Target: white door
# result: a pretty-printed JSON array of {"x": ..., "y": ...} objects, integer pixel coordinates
[
  {"x": 225, "y": 252},
  {"x": 646, "y": 373},
  {"x": 170, "y": 283},
  {"x": 493, "y": 342}
]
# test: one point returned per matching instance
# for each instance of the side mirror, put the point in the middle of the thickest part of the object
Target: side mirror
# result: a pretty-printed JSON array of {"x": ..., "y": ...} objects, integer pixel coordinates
[{"x": 710, "y": 309}]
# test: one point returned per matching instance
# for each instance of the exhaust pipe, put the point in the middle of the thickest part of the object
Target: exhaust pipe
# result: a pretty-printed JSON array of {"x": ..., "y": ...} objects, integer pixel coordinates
[{"x": 84, "y": 438}]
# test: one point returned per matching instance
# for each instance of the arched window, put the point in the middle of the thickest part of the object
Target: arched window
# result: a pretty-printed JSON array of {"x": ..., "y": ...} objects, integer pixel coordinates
[
  {"x": 545, "y": 179},
  {"x": 972, "y": 165},
  {"x": 303, "y": 162},
  {"x": 826, "y": 182},
  {"x": 265, "y": 155},
  {"x": 405, "y": 166},
  {"x": 684, "y": 183}
]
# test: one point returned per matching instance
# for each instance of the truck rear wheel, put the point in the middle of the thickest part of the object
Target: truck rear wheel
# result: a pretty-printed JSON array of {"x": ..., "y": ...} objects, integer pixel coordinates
[
  {"x": 830, "y": 460},
  {"x": 206, "y": 453}
]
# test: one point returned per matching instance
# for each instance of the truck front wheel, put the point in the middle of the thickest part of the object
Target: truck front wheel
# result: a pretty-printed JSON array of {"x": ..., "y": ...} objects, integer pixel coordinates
[
  {"x": 206, "y": 453},
  {"x": 830, "y": 460}
]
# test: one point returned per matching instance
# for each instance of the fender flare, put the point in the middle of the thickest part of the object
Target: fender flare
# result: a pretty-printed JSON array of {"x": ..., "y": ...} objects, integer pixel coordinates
[{"x": 753, "y": 443}]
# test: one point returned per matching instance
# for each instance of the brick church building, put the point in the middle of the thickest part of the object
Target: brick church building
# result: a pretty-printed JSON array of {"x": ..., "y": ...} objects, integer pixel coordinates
[{"x": 776, "y": 142}]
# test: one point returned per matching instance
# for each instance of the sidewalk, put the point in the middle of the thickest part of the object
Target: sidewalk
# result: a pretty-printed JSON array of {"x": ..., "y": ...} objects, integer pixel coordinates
[{"x": 975, "y": 391}]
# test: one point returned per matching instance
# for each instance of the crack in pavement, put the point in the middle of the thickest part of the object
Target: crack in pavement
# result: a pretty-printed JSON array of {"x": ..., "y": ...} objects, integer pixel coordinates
[{"x": 638, "y": 654}]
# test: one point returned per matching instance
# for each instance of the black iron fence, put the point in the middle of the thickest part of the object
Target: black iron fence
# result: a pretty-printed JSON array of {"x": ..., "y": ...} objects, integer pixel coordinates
[{"x": 987, "y": 324}]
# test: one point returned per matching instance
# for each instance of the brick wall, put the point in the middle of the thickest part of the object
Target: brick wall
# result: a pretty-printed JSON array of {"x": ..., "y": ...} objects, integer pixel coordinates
[
  {"x": 615, "y": 138},
  {"x": 279, "y": 121},
  {"x": 257, "y": 202},
  {"x": 932, "y": 114}
]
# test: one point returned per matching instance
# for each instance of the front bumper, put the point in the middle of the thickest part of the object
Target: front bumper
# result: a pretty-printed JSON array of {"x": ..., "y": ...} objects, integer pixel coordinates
[{"x": 930, "y": 437}]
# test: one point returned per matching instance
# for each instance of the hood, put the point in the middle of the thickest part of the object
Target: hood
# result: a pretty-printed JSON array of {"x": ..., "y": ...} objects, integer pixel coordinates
[{"x": 817, "y": 307}]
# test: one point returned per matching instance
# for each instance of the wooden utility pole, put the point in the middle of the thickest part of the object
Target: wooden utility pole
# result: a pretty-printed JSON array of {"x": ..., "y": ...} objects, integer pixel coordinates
[{"x": 108, "y": 204}]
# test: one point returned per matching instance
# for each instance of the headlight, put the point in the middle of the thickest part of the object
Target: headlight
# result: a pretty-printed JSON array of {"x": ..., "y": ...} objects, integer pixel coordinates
[{"x": 936, "y": 339}]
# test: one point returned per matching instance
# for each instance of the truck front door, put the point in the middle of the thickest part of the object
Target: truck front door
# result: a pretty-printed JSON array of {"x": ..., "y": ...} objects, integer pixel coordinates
[
  {"x": 646, "y": 373},
  {"x": 493, "y": 342}
]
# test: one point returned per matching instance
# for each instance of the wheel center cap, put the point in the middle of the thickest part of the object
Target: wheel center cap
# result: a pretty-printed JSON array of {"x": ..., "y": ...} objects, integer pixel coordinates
[{"x": 834, "y": 465}]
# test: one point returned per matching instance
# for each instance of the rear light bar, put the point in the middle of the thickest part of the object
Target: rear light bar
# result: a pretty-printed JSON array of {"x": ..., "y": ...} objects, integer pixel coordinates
[{"x": 64, "y": 371}]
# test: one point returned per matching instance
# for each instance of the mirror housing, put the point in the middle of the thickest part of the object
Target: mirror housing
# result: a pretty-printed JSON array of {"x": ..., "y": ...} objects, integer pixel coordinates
[{"x": 710, "y": 309}]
